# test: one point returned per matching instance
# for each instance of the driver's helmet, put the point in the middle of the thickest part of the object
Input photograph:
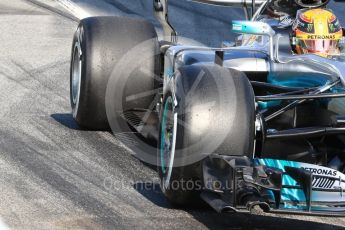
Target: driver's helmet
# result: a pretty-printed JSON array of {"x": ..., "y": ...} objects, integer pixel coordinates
[{"x": 317, "y": 31}]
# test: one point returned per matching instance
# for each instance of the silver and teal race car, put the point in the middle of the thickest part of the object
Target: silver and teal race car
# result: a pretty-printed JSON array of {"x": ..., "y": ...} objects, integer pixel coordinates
[{"x": 249, "y": 124}]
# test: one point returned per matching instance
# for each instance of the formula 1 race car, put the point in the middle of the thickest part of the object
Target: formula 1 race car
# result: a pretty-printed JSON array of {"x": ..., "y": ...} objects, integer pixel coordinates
[{"x": 257, "y": 122}]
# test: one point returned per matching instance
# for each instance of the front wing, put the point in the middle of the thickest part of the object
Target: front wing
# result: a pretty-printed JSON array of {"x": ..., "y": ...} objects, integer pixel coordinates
[{"x": 239, "y": 184}]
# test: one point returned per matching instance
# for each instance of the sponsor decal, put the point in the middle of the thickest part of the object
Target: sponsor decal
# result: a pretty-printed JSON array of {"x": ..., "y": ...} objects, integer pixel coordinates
[
  {"x": 321, "y": 171},
  {"x": 314, "y": 37},
  {"x": 301, "y": 24},
  {"x": 321, "y": 182},
  {"x": 237, "y": 27},
  {"x": 334, "y": 27},
  {"x": 305, "y": 27},
  {"x": 310, "y": 27}
]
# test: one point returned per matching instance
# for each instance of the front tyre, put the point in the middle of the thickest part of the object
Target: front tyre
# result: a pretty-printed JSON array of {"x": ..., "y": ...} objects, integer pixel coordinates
[{"x": 206, "y": 109}]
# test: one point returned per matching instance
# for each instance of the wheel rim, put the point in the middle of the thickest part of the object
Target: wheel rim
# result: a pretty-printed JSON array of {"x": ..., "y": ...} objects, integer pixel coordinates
[
  {"x": 168, "y": 140},
  {"x": 76, "y": 76}
]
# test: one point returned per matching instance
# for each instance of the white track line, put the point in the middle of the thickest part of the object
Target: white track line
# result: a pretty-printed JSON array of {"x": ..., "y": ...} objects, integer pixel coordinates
[
  {"x": 74, "y": 9},
  {"x": 3, "y": 226}
]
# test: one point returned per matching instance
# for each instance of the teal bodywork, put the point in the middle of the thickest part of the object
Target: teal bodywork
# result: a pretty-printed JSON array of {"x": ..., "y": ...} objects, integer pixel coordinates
[
  {"x": 296, "y": 80},
  {"x": 163, "y": 147},
  {"x": 293, "y": 195}
]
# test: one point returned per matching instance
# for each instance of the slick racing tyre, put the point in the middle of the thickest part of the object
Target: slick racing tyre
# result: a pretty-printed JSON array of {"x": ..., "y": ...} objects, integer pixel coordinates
[
  {"x": 206, "y": 109},
  {"x": 98, "y": 45}
]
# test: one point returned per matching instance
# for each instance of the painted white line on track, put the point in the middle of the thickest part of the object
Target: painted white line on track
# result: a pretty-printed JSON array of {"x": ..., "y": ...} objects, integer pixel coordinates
[
  {"x": 3, "y": 226},
  {"x": 74, "y": 9}
]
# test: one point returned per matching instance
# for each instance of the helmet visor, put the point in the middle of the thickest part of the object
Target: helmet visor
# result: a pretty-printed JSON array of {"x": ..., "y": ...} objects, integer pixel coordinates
[{"x": 326, "y": 47}]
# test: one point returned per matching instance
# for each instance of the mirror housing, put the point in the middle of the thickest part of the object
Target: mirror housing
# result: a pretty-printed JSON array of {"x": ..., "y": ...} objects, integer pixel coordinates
[
  {"x": 255, "y": 28},
  {"x": 252, "y": 27}
]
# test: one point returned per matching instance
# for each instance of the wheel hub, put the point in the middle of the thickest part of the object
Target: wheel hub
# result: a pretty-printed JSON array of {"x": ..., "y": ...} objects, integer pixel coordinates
[
  {"x": 168, "y": 140},
  {"x": 76, "y": 75}
]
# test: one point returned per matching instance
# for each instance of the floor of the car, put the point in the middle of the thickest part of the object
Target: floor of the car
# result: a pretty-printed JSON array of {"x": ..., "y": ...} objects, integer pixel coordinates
[{"x": 144, "y": 122}]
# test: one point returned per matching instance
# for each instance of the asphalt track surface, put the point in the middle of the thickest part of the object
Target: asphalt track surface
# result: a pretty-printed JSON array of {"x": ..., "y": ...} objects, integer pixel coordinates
[{"x": 56, "y": 176}]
